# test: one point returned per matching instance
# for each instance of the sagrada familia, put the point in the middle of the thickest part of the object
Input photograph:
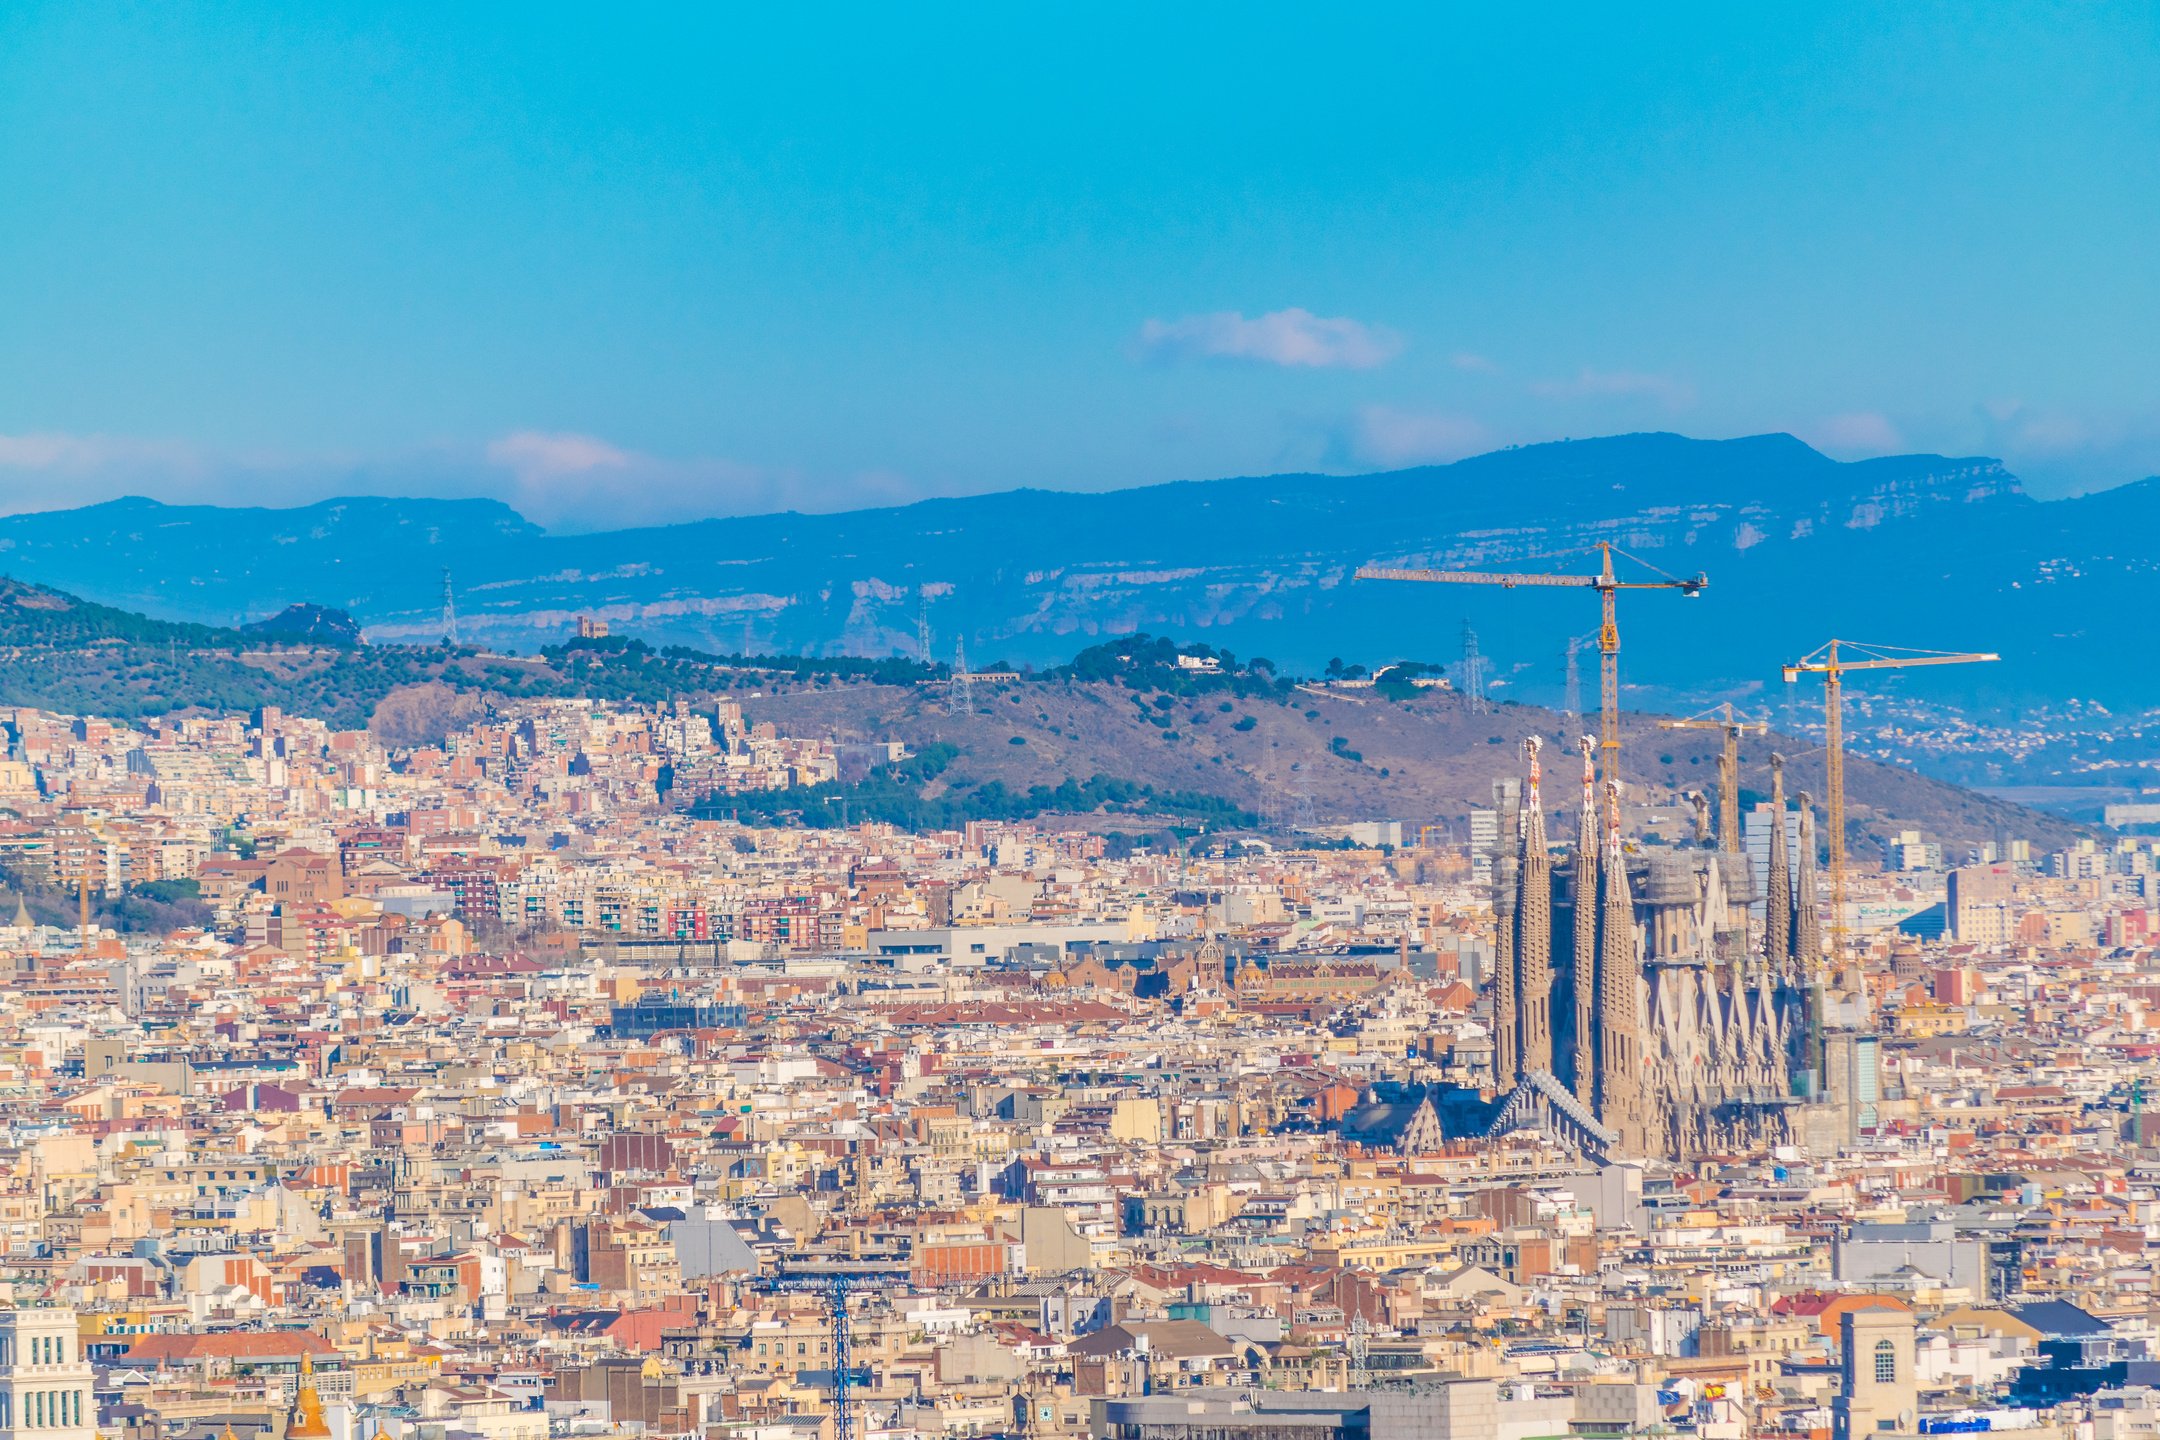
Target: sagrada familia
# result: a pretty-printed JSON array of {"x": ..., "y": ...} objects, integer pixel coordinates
[{"x": 1636, "y": 1010}]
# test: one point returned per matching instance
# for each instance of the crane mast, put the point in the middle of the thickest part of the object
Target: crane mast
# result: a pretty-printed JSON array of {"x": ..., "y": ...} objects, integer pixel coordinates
[
  {"x": 833, "y": 1286},
  {"x": 1608, "y": 585},
  {"x": 1728, "y": 767},
  {"x": 1831, "y": 662}
]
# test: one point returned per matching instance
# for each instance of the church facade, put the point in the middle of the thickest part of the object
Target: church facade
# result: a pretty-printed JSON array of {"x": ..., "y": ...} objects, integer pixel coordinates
[{"x": 1641, "y": 986}]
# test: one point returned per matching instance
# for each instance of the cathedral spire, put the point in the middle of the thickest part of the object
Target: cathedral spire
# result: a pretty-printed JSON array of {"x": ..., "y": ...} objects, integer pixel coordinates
[
  {"x": 1585, "y": 948},
  {"x": 1507, "y": 1029},
  {"x": 1777, "y": 903},
  {"x": 1533, "y": 927},
  {"x": 1620, "y": 1059},
  {"x": 1807, "y": 922}
]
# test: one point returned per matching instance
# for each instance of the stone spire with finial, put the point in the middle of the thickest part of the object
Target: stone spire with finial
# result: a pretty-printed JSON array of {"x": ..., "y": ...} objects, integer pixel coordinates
[
  {"x": 1585, "y": 947},
  {"x": 1777, "y": 900},
  {"x": 1807, "y": 921},
  {"x": 1506, "y": 1029},
  {"x": 1622, "y": 1102},
  {"x": 1533, "y": 926}
]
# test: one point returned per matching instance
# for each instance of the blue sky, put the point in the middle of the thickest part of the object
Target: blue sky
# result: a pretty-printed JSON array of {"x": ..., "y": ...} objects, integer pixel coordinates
[{"x": 616, "y": 263}]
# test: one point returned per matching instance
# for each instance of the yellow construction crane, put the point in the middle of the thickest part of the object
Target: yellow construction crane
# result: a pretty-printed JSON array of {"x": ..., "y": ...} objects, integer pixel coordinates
[
  {"x": 1608, "y": 587},
  {"x": 1728, "y": 770},
  {"x": 1831, "y": 661}
]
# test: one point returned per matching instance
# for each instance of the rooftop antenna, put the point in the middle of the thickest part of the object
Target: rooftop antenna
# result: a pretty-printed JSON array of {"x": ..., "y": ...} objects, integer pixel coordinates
[
  {"x": 449, "y": 611},
  {"x": 1360, "y": 1348}
]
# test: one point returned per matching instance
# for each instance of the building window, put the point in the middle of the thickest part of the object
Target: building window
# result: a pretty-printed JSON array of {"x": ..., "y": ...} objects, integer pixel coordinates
[{"x": 1885, "y": 1363}]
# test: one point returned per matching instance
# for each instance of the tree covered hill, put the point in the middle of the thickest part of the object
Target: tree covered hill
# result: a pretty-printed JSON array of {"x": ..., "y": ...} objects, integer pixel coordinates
[{"x": 1141, "y": 725}]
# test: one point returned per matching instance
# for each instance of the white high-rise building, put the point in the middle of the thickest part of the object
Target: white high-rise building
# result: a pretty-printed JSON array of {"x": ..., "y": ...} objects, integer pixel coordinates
[
  {"x": 44, "y": 1380},
  {"x": 1755, "y": 832},
  {"x": 1484, "y": 834}
]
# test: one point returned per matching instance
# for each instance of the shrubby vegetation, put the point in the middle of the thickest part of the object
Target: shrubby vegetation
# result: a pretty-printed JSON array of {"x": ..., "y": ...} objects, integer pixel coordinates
[
  {"x": 1150, "y": 662},
  {"x": 898, "y": 795},
  {"x": 155, "y": 907}
]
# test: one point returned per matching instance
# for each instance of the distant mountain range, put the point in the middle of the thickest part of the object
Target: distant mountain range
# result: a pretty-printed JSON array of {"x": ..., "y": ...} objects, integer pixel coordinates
[{"x": 1918, "y": 550}]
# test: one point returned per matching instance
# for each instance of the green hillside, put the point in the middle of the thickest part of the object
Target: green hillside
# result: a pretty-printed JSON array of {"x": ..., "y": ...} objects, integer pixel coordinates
[{"x": 61, "y": 653}]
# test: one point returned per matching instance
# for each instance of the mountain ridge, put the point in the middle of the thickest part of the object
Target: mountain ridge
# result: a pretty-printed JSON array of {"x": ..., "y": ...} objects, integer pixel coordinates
[{"x": 1950, "y": 551}]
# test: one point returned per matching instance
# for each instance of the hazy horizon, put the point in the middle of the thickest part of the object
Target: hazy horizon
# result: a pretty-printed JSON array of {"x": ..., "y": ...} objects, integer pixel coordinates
[{"x": 450, "y": 489}]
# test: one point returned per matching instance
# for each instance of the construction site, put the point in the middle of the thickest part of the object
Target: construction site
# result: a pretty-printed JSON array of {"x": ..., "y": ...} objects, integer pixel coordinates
[{"x": 1679, "y": 999}]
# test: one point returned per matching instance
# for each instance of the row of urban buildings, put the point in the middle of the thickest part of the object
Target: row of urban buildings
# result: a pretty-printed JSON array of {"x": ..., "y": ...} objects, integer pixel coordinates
[{"x": 476, "y": 1089}]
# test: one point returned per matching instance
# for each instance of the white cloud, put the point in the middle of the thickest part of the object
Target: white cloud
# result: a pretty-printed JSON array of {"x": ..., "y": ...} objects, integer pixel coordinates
[
  {"x": 1671, "y": 392},
  {"x": 51, "y": 450},
  {"x": 1292, "y": 337},
  {"x": 571, "y": 482},
  {"x": 2053, "y": 432},
  {"x": 1859, "y": 432},
  {"x": 1385, "y": 436},
  {"x": 560, "y": 480},
  {"x": 530, "y": 454},
  {"x": 1472, "y": 361}
]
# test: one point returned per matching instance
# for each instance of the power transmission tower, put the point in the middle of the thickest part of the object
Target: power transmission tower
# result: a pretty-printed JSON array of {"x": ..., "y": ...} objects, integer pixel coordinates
[
  {"x": 449, "y": 611},
  {"x": 922, "y": 630},
  {"x": 1302, "y": 814},
  {"x": 1571, "y": 705},
  {"x": 1473, "y": 670},
  {"x": 960, "y": 693}
]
